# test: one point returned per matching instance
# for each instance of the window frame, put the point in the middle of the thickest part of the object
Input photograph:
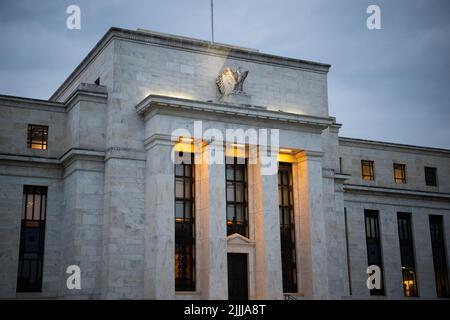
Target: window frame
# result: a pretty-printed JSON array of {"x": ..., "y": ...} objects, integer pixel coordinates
[
  {"x": 287, "y": 238},
  {"x": 42, "y": 142},
  {"x": 233, "y": 226},
  {"x": 185, "y": 237},
  {"x": 371, "y": 165},
  {"x": 402, "y": 169},
  {"x": 407, "y": 253},
  {"x": 373, "y": 239},
  {"x": 439, "y": 252},
  {"x": 30, "y": 254},
  {"x": 433, "y": 182}
]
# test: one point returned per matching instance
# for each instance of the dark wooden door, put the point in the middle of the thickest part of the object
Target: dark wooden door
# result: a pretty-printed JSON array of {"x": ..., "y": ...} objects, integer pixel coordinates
[{"x": 237, "y": 276}]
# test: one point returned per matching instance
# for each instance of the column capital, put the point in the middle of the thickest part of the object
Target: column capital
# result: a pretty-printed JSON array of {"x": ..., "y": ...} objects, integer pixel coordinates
[
  {"x": 307, "y": 155},
  {"x": 158, "y": 139}
]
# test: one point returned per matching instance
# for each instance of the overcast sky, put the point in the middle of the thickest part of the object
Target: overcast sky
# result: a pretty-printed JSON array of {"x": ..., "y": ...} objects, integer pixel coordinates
[{"x": 391, "y": 84}]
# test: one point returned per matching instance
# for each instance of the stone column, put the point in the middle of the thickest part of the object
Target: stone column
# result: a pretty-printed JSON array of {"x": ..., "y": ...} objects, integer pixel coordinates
[
  {"x": 269, "y": 280},
  {"x": 159, "y": 221},
  {"x": 211, "y": 213},
  {"x": 310, "y": 220}
]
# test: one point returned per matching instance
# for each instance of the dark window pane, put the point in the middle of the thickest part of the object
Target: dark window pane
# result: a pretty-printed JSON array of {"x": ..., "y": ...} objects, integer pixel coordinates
[
  {"x": 230, "y": 192},
  {"x": 37, "y": 137},
  {"x": 239, "y": 173},
  {"x": 179, "y": 209},
  {"x": 240, "y": 192},
  {"x": 287, "y": 228},
  {"x": 179, "y": 170},
  {"x": 179, "y": 185},
  {"x": 439, "y": 256},
  {"x": 407, "y": 255},
  {"x": 31, "y": 250},
  {"x": 430, "y": 176},
  {"x": 236, "y": 196},
  {"x": 230, "y": 212},
  {"x": 184, "y": 226},
  {"x": 373, "y": 243},
  {"x": 230, "y": 173}
]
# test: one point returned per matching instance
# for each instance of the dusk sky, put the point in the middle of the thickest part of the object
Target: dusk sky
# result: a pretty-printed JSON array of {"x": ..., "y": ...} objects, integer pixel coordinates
[{"x": 391, "y": 84}]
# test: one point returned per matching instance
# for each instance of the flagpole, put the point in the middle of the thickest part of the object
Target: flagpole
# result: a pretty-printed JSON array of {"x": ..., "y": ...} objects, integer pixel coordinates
[{"x": 212, "y": 21}]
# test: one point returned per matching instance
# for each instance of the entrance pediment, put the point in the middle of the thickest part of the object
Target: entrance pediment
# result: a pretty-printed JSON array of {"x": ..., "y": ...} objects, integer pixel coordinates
[{"x": 237, "y": 239}]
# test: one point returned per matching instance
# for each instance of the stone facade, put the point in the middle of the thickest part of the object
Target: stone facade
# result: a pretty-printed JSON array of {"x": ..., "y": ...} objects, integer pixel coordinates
[{"x": 110, "y": 177}]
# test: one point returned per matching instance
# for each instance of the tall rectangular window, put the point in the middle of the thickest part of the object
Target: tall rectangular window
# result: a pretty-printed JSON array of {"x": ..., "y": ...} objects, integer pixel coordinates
[
  {"x": 237, "y": 198},
  {"x": 407, "y": 254},
  {"x": 399, "y": 173},
  {"x": 37, "y": 137},
  {"x": 439, "y": 256},
  {"x": 373, "y": 241},
  {"x": 287, "y": 227},
  {"x": 430, "y": 176},
  {"x": 32, "y": 237},
  {"x": 184, "y": 225},
  {"x": 367, "y": 170}
]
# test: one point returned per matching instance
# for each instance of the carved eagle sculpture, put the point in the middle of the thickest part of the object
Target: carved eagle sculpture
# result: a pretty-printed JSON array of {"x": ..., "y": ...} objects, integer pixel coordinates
[{"x": 230, "y": 81}]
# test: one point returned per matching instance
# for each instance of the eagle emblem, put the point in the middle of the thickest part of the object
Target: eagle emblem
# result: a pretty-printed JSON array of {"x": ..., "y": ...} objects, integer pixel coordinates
[{"x": 230, "y": 81}]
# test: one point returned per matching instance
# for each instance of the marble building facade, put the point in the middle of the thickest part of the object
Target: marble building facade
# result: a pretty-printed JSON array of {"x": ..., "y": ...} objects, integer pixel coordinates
[{"x": 107, "y": 178}]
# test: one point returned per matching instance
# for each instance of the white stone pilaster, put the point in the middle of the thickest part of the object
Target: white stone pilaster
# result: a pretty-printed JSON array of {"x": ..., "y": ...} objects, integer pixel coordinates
[
  {"x": 269, "y": 281},
  {"x": 159, "y": 222},
  {"x": 311, "y": 225},
  {"x": 211, "y": 215}
]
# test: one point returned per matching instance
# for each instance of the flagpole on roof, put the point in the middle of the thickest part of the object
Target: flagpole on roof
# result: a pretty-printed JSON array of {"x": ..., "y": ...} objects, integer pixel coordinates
[{"x": 212, "y": 21}]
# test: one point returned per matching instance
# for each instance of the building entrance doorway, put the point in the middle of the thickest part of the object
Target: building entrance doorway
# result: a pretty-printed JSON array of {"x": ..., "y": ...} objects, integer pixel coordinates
[{"x": 237, "y": 276}]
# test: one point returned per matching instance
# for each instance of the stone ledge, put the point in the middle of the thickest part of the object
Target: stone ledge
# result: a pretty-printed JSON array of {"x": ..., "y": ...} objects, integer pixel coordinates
[
  {"x": 392, "y": 191},
  {"x": 157, "y": 102},
  {"x": 22, "y": 158}
]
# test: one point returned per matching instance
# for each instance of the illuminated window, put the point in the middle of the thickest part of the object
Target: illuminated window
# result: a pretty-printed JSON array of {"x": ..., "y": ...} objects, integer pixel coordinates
[
  {"x": 184, "y": 224},
  {"x": 439, "y": 256},
  {"x": 373, "y": 243},
  {"x": 287, "y": 227},
  {"x": 37, "y": 137},
  {"x": 367, "y": 170},
  {"x": 236, "y": 193},
  {"x": 399, "y": 173},
  {"x": 407, "y": 254},
  {"x": 32, "y": 235},
  {"x": 430, "y": 176}
]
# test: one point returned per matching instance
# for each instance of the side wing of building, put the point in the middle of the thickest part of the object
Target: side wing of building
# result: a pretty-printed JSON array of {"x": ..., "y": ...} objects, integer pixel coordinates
[{"x": 397, "y": 205}]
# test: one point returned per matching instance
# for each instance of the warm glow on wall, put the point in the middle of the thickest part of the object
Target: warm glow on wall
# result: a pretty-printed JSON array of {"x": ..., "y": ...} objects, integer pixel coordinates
[
  {"x": 184, "y": 144},
  {"x": 286, "y": 155},
  {"x": 236, "y": 150}
]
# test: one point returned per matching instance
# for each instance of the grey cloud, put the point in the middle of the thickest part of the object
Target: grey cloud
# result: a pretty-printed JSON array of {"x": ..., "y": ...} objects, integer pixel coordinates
[{"x": 390, "y": 84}]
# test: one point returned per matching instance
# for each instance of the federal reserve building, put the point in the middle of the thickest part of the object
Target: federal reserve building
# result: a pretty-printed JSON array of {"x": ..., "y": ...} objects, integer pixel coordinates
[{"x": 166, "y": 167}]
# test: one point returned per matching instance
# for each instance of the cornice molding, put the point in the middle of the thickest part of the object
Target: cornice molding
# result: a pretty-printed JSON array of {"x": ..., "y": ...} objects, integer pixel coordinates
[
  {"x": 395, "y": 192},
  {"x": 154, "y": 104}
]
